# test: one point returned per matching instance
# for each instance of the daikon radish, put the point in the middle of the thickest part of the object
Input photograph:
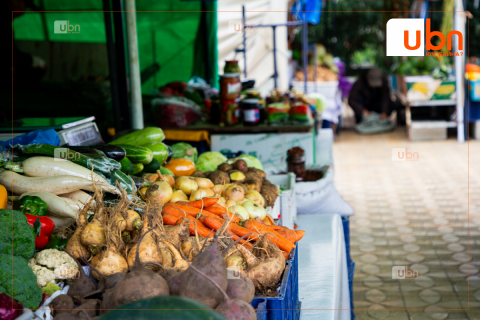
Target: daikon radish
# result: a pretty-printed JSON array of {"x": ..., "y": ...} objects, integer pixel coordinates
[{"x": 57, "y": 206}]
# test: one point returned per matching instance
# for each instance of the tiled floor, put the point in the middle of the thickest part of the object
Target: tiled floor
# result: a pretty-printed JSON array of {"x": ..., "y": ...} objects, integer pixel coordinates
[{"x": 412, "y": 214}]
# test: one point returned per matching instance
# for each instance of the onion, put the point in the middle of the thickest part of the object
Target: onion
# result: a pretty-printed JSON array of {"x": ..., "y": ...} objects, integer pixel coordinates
[
  {"x": 204, "y": 183},
  {"x": 255, "y": 210},
  {"x": 235, "y": 192},
  {"x": 221, "y": 201},
  {"x": 159, "y": 191},
  {"x": 269, "y": 221},
  {"x": 200, "y": 193},
  {"x": 225, "y": 187},
  {"x": 143, "y": 192},
  {"x": 240, "y": 212},
  {"x": 179, "y": 180},
  {"x": 230, "y": 203},
  {"x": 218, "y": 188},
  {"x": 168, "y": 179},
  {"x": 255, "y": 196},
  {"x": 178, "y": 195},
  {"x": 188, "y": 186}
]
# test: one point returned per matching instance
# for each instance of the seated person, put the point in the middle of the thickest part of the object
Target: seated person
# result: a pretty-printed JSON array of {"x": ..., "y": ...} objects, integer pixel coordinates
[{"x": 370, "y": 93}]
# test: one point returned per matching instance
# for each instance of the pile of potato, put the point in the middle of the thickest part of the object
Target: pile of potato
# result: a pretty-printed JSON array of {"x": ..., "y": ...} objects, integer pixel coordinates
[{"x": 240, "y": 174}]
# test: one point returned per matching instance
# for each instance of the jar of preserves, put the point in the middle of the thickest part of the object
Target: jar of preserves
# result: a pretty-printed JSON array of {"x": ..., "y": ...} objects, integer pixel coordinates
[
  {"x": 230, "y": 86},
  {"x": 231, "y": 66},
  {"x": 251, "y": 112}
]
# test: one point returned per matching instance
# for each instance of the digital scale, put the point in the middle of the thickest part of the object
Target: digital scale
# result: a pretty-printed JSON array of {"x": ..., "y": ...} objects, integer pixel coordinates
[{"x": 73, "y": 131}]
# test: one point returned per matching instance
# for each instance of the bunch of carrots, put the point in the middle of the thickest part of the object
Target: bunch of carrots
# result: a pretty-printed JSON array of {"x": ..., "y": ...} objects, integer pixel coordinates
[{"x": 206, "y": 215}]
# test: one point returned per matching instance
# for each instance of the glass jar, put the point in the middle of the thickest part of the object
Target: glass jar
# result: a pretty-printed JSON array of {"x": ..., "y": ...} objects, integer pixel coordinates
[
  {"x": 230, "y": 86},
  {"x": 231, "y": 66},
  {"x": 251, "y": 112},
  {"x": 296, "y": 162}
]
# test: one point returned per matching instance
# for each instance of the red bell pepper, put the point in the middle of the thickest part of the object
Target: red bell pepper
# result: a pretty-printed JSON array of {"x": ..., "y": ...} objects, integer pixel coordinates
[{"x": 43, "y": 227}]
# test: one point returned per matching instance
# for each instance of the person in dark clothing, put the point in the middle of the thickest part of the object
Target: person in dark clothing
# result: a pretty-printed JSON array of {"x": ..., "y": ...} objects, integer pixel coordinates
[{"x": 370, "y": 93}]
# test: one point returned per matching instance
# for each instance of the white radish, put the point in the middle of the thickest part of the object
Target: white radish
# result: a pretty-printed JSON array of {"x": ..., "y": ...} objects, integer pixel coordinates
[
  {"x": 57, "y": 206},
  {"x": 19, "y": 184},
  {"x": 81, "y": 196},
  {"x": 48, "y": 167},
  {"x": 74, "y": 204},
  {"x": 61, "y": 222}
]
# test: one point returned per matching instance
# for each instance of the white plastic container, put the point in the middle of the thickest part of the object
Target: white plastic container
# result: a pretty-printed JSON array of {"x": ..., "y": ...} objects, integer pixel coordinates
[{"x": 286, "y": 198}]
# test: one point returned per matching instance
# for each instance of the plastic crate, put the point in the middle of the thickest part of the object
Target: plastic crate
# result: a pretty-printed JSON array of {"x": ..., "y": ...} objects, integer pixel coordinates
[
  {"x": 350, "y": 263},
  {"x": 474, "y": 90},
  {"x": 287, "y": 198},
  {"x": 473, "y": 111},
  {"x": 286, "y": 305}
]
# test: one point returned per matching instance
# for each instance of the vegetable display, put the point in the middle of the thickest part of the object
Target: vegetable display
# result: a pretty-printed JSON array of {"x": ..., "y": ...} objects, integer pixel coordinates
[{"x": 157, "y": 227}]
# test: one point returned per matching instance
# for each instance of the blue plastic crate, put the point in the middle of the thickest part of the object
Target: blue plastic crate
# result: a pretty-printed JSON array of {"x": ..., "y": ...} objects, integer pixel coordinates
[
  {"x": 350, "y": 263},
  {"x": 286, "y": 305},
  {"x": 473, "y": 111}
]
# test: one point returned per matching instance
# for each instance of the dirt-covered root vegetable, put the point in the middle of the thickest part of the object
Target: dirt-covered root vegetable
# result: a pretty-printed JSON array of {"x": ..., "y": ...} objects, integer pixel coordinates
[
  {"x": 198, "y": 174},
  {"x": 148, "y": 249},
  {"x": 265, "y": 264},
  {"x": 235, "y": 261},
  {"x": 89, "y": 306},
  {"x": 81, "y": 286},
  {"x": 66, "y": 316},
  {"x": 241, "y": 288},
  {"x": 120, "y": 222},
  {"x": 93, "y": 235},
  {"x": 139, "y": 283},
  {"x": 178, "y": 233},
  {"x": 109, "y": 262},
  {"x": 224, "y": 167},
  {"x": 219, "y": 177},
  {"x": 191, "y": 247},
  {"x": 62, "y": 303},
  {"x": 240, "y": 165},
  {"x": 167, "y": 256},
  {"x": 178, "y": 261},
  {"x": 195, "y": 286},
  {"x": 258, "y": 172},
  {"x": 133, "y": 220},
  {"x": 270, "y": 193},
  {"x": 236, "y": 309},
  {"x": 107, "y": 302},
  {"x": 74, "y": 244}
]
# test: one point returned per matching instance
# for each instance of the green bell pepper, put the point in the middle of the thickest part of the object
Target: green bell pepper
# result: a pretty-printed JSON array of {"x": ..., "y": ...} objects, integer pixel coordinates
[
  {"x": 31, "y": 205},
  {"x": 56, "y": 242}
]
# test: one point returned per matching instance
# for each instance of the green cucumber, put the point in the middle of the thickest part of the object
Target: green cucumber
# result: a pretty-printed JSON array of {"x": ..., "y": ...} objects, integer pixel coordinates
[
  {"x": 127, "y": 165},
  {"x": 164, "y": 170},
  {"x": 141, "y": 137},
  {"x": 125, "y": 182},
  {"x": 160, "y": 151},
  {"x": 164, "y": 307},
  {"x": 99, "y": 163},
  {"x": 137, "y": 168},
  {"x": 152, "y": 167},
  {"x": 137, "y": 154}
]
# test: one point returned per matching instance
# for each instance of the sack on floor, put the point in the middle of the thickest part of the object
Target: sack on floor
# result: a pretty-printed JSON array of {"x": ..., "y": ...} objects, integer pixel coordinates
[
  {"x": 320, "y": 196},
  {"x": 373, "y": 124}
]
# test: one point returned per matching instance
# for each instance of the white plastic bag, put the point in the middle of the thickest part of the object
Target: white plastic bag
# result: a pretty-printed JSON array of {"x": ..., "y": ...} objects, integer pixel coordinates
[{"x": 320, "y": 196}]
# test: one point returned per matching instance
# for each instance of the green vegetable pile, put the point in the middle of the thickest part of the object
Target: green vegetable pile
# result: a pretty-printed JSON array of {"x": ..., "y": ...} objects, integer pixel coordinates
[
  {"x": 436, "y": 66},
  {"x": 22, "y": 282}
]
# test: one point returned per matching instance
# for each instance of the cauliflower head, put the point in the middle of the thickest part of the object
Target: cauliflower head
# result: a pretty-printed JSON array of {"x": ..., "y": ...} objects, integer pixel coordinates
[
  {"x": 52, "y": 258},
  {"x": 44, "y": 275}
]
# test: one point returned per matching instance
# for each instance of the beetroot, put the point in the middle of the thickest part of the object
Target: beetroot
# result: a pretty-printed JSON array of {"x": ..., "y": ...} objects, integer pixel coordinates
[
  {"x": 81, "y": 286},
  {"x": 236, "y": 310},
  {"x": 61, "y": 303},
  {"x": 174, "y": 283},
  {"x": 139, "y": 283},
  {"x": 196, "y": 286},
  {"x": 241, "y": 289}
]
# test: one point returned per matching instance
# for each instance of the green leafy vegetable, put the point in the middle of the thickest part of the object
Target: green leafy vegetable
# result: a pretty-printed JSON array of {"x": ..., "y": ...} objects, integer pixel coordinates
[
  {"x": 184, "y": 150},
  {"x": 209, "y": 161},
  {"x": 23, "y": 234}
]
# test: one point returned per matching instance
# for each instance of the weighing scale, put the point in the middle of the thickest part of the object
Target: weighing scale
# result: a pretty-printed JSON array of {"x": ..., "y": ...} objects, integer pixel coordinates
[{"x": 73, "y": 131}]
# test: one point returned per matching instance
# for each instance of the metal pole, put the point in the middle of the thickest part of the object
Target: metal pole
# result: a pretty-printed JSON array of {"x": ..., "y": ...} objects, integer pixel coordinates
[
  {"x": 275, "y": 75},
  {"x": 459, "y": 25},
  {"x": 305, "y": 45},
  {"x": 244, "y": 20},
  {"x": 121, "y": 61},
  {"x": 134, "y": 64},
  {"x": 315, "y": 64},
  {"x": 112, "y": 71}
]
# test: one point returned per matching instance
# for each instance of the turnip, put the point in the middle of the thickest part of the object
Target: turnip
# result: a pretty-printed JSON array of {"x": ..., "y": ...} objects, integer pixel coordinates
[
  {"x": 133, "y": 220},
  {"x": 93, "y": 235},
  {"x": 109, "y": 262},
  {"x": 139, "y": 283},
  {"x": 74, "y": 244},
  {"x": 265, "y": 264}
]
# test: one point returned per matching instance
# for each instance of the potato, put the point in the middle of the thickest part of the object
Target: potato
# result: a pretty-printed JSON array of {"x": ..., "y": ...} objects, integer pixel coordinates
[
  {"x": 207, "y": 173},
  {"x": 259, "y": 172},
  {"x": 253, "y": 176},
  {"x": 224, "y": 167},
  {"x": 237, "y": 177},
  {"x": 219, "y": 177},
  {"x": 253, "y": 185},
  {"x": 240, "y": 165},
  {"x": 199, "y": 174},
  {"x": 269, "y": 196}
]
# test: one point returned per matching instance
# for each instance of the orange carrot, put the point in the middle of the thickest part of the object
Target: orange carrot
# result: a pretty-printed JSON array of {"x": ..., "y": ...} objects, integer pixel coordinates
[
  {"x": 286, "y": 255},
  {"x": 273, "y": 236},
  {"x": 246, "y": 244},
  {"x": 176, "y": 212},
  {"x": 183, "y": 208},
  {"x": 289, "y": 235},
  {"x": 216, "y": 223},
  {"x": 218, "y": 210},
  {"x": 170, "y": 220},
  {"x": 205, "y": 202},
  {"x": 300, "y": 234}
]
